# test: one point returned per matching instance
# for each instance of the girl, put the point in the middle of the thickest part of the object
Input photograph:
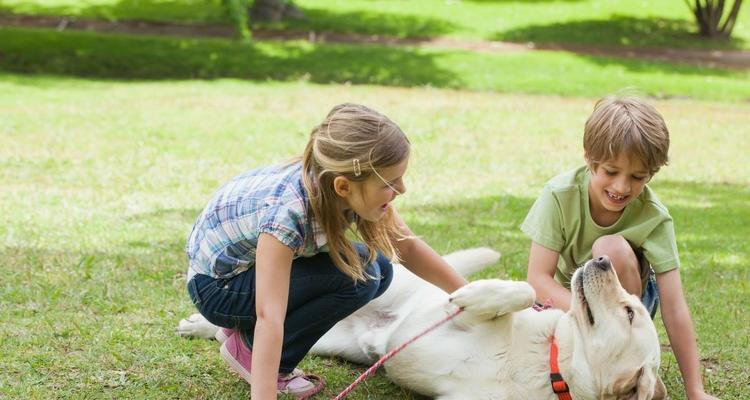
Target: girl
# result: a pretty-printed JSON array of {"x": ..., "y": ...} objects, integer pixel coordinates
[{"x": 270, "y": 260}]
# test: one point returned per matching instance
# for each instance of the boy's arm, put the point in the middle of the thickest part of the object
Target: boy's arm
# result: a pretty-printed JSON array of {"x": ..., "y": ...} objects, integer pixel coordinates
[
  {"x": 424, "y": 262},
  {"x": 679, "y": 326},
  {"x": 541, "y": 276}
]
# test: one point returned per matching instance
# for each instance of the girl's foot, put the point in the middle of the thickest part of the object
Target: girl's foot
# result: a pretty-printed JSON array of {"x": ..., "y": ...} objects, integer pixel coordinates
[
  {"x": 223, "y": 334},
  {"x": 236, "y": 353},
  {"x": 239, "y": 358},
  {"x": 299, "y": 384}
]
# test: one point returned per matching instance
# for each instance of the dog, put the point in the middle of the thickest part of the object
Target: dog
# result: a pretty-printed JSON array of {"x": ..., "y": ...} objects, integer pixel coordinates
[{"x": 498, "y": 346}]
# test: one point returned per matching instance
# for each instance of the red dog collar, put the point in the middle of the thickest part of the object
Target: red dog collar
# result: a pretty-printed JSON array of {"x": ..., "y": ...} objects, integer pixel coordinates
[{"x": 558, "y": 383}]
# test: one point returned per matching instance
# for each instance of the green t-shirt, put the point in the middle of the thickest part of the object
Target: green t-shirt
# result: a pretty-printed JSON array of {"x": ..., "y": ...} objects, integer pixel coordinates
[{"x": 560, "y": 220}]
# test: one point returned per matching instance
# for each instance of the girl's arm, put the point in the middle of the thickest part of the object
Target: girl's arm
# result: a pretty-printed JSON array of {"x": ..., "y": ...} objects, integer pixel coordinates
[
  {"x": 273, "y": 267},
  {"x": 424, "y": 262},
  {"x": 679, "y": 326},
  {"x": 541, "y": 276}
]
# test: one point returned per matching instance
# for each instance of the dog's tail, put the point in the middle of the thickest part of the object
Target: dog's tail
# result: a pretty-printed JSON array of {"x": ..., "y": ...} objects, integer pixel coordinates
[{"x": 466, "y": 262}]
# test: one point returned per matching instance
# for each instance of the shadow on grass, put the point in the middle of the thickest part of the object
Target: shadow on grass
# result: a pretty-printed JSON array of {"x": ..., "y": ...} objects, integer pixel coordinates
[
  {"x": 204, "y": 11},
  {"x": 639, "y": 65},
  {"x": 318, "y": 19},
  {"x": 126, "y": 57},
  {"x": 620, "y": 30},
  {"x": 711, "y": 223},
  {"x": 370, "y": 23}
]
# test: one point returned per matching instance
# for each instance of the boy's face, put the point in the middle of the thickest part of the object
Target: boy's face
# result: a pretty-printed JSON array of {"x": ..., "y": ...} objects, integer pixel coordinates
[{"x": 614, "y": 184}]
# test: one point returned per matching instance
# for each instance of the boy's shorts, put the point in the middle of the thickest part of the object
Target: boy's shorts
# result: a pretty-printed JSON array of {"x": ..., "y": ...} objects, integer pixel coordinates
[{"x": 650, "y": 294}]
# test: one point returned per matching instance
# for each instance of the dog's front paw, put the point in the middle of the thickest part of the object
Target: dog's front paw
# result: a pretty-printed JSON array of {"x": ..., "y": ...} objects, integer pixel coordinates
[
  {"x": 196, "y": 325},
  {"x": 475, "y": 297},
  {"x": 491, "y": 298}
]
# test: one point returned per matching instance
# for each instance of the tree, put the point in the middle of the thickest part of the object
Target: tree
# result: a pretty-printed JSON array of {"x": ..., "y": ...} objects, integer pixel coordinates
[
  {"x": 237, "y": 10},
  {"x": 274, "y": 10},
  {"x": 708, "y": 14},
  {"x": 260, "y": 11}
]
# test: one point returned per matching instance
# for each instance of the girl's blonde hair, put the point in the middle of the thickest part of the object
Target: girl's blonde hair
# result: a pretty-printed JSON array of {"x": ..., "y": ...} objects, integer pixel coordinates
[
  {"x": 626, "y": 124},
  {"x": 352, "y": 141}
]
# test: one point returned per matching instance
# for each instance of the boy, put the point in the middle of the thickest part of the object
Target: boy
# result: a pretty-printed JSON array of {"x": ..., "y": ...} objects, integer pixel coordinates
[{"x": 607, "y": 208}]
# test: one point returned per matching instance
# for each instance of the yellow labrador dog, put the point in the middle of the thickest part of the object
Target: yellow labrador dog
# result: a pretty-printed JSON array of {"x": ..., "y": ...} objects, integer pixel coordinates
[{"x": 499, "y": 347}]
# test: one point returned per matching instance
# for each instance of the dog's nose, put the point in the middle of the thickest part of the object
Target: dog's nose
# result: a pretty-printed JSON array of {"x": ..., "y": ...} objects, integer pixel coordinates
[{"x": 602, "y": 263}]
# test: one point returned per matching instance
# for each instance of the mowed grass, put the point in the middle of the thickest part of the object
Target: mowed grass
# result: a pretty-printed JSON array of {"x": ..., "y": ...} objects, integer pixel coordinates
[
  {"x": 101, "y": 182},
  {"x": 660, "y": 23},
  {"x": 92, "y": 55}
]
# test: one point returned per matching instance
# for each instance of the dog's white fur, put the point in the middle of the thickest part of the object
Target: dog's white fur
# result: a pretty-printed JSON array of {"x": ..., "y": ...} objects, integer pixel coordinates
[{"x": 498, "y": 348}]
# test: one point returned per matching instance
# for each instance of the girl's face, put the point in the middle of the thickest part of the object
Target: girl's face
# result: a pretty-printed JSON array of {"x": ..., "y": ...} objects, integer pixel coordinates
[
  {"x": 371, "y": 198},
  {"x": 613, "y": 185}
]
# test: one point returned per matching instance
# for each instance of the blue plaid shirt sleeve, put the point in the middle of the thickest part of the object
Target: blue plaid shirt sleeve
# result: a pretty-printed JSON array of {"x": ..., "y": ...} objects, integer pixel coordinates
[{"x": 283, "y": 222}]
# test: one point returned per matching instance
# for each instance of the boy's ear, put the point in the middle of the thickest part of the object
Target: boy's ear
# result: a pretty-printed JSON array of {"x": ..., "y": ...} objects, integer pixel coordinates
[
  {"x": 342, "y": 186},
  {"x": 590, "y": 164}
]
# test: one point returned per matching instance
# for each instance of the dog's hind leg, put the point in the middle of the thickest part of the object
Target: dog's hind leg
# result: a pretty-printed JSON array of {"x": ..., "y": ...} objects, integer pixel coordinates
[
  {"x": 196, "y": 325},
  {"x": 466, "y": 262},
  {"x": 347, "y": 340}
]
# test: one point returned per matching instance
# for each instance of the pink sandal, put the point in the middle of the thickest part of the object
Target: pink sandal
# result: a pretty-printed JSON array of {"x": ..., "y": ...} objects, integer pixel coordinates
[
  {"x": 223, "y": 334},
  {"x": 236, "y": 353},
  {"x": 299, "y": 384},
  {"x": 239, "y": 357}
]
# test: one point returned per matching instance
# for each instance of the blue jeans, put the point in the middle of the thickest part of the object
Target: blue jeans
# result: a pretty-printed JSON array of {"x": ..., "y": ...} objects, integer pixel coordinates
[
  {"x": 650, "y": 295},
  {"x": 319, "y": 296}
]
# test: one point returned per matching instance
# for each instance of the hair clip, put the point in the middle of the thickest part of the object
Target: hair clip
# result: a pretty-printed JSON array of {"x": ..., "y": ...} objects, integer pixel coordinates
[{"x": 357, "y": 167}]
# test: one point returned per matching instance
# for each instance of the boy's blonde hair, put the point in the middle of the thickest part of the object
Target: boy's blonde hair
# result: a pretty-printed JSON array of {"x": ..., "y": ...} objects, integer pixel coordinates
[
  {"x": 627, "y": 125},
  {"x": 352, "y": 132}
]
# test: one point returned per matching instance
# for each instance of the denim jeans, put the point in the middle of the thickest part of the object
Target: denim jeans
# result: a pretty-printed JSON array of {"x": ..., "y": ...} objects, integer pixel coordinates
[
  {"x": 319, "y": 296},
  {"x": 650, "y": 295}
]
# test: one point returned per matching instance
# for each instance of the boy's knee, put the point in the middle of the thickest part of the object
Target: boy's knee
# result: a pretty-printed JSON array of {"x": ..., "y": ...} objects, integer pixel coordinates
[
  {"x": 619, "y": 251},
  {"x": 624, "y": 261}
]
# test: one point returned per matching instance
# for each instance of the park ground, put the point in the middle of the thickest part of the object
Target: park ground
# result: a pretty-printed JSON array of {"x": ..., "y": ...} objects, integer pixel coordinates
[{"x": 118, "y": 119}]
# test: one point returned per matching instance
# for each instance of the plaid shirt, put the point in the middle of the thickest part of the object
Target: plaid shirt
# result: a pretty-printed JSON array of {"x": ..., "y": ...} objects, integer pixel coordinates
[{"x": 268, "y": 200}]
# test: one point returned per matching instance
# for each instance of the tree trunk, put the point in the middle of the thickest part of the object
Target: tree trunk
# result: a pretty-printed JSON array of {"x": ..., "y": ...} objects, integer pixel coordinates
[
  {"x": 274, "y": 11},
  {"x": 708, "y": 15}
]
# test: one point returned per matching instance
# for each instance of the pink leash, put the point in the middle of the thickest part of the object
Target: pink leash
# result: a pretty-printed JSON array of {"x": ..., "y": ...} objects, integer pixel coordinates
[{"x": 392, "y": 353}]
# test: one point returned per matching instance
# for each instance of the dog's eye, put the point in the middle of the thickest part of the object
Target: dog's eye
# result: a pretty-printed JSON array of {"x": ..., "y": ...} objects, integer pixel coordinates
[{"x": 630, "y": 312}]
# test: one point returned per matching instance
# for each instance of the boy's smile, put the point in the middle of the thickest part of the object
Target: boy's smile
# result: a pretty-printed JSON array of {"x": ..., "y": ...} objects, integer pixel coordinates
[{"x": 613, "y": 185}]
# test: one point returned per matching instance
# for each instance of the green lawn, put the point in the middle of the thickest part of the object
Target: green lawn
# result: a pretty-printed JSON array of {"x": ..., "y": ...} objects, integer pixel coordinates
[
  {"x": 108, "y": 56},
  {"x": 612, "y": 22},
  {"x": 100, "y": 182}
]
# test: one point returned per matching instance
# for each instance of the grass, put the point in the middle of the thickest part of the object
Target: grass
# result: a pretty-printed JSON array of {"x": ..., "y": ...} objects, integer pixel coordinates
[
  {"x": 109, "y": 56},
  {"x": 102, "y": 180},
  {"x": 662, "y": 23}
]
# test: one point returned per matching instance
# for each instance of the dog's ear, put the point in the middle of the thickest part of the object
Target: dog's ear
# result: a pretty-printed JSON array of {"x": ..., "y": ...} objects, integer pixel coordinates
[
  {"x": 645, "y": 384},
  {"x": 660, "y": 391},
  {"x": 626, "y": 386},
  {"x": 650, "y": 386}
]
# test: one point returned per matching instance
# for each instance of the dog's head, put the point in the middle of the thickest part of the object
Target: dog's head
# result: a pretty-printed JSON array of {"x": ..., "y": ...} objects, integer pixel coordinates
[{"x": 616, "y": 351}]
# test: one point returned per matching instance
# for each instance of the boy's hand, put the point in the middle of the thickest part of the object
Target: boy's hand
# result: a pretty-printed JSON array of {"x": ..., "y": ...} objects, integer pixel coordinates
[{"x": 702, "y": 395}]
